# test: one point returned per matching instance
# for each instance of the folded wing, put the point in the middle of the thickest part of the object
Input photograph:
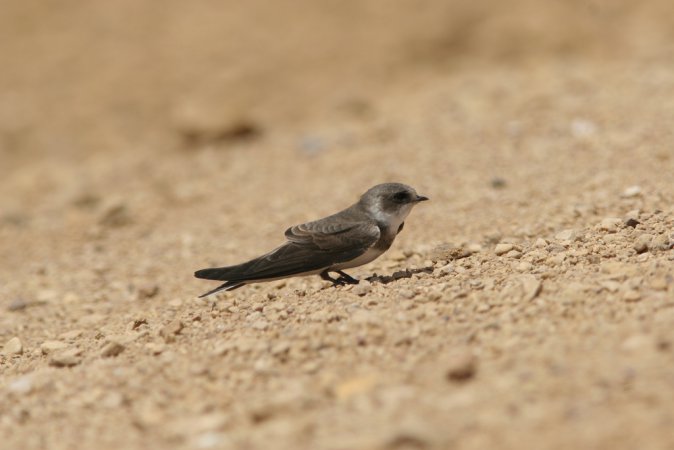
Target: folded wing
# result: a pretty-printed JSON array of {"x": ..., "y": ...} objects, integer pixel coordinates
[{"x": 311, "y": 246}]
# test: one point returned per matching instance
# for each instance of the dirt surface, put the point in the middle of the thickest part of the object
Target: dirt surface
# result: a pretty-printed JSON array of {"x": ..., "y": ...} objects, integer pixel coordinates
[{"x": 529, "y": 304}]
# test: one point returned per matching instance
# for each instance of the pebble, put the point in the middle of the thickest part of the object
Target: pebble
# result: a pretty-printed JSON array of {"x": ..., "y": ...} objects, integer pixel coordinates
[
  {"x": 462, "y": 366},
  {"x": 661, "y": 242},
  {"x": 91, "y": 319},
  {"x": 524, "y": 266},
  {"x": 637, "y": 343},
  {"x": 21, "y": 386},
  {"x": 147, "y": 290},
  {"x": 48, "y": 347},
  {"x": 362, "y": 288},
  {"x": 156, "y": 348},
  {"x": 582, "y": 128},
  {"x": 280, "y": 348},
  {"x": 474, "y": 248},
  {"x": 407, "y": 294},
  {"x": 260, "y": 325},
  {"x": 531, "y": 286},
  {"x": 566, "y": 235},
  {"x": 66, "y": 358},
  {"x": 446, "y": 269},
  {"x": 631, "y": 296},
  {"x": 17, "y": 304},
  {"x": 515, "y": 254},
  {"x": 397, "y": 255},
  {"x": 502, "y": 249},
  {"x": 13, "y": 347},
  {"x": 115, "y": 215},
  {"x": 632, "y": 191},
  {"x": 610, "y": 224},
  {"x": 642, "y": 243},
  {"x": 73, "y": 334},
  {"x": 540, "y": 243},
  {"x": 112, "y": 348},
  {"x": 354, "y": 387},
  {"x": 169, "y": 332}
]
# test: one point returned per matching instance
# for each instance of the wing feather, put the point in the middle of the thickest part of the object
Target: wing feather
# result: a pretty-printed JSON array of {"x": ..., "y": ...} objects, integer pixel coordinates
[{"x": 311, "y": 246}]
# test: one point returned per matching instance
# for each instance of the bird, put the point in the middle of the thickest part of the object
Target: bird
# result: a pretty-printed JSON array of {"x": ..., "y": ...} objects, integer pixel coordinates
[{"x": 350, "y": 238}]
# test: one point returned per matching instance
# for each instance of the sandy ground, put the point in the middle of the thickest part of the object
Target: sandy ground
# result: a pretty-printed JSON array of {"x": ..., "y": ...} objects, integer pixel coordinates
[{"x": 529, "y": 304}]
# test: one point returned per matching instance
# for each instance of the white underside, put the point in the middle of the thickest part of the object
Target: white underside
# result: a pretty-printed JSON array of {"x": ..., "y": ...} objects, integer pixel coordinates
[{"x": 370, "y": 255}]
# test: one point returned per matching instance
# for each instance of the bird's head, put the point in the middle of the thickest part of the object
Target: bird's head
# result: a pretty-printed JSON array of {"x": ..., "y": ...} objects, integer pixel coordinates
[{"x": 390, "y": 202}]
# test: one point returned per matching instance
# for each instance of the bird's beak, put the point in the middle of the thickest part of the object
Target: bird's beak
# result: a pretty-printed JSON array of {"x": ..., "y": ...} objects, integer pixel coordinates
[{"x": 421, "y": 198}]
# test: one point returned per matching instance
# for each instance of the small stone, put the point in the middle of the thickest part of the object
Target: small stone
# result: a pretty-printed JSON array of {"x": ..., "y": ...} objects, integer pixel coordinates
[
  {"x": 446, "y": 269},
  {"x": 448, "y": 252},
  {"x": 209, "y": 439},
  {"x": 170, "y": 331},
  {"x": 112, "y": 348},
  {"x": 661, "y": 242},
  {"x": 91, "y": 319},
  {"x": 637, "y": 343},
  {"x": 631, "y": 296},
  {"x": 566, "y": 235},
  {"x": 21, "y": 386},
  {"x": 363, "y": 288},
  {"x": 531, "y": 287},
  {"x": 69, "y": 335},
  {"x": 355, "y": 386},
  {"x": 474, "y": 247},
  {"x": 156, "y": 348},
  {"x": 642, "y": 243},
  {"x": 498, "y": 183},
  {"x": 582, "y": 128},
  {"x": 632, "y": 191},
  {"x": 631, "y": 222},
  {"x": 461, "y": 367},
  {"x": 65, "y": 358},
  {"x": 659, "y": 284},
  {"x": 397, "y": 255},
  {"x": 610, "y": 224},
  {"x": 260, "y": 325},
  {"x": 502, "y": 249},
  {"x": 540, "y": 243},
  {"x": 17, "y": 304},
  {"x": 137, "y": 323},
  {"x": 280, "y": 348},
  {"x": 13, "y": 347},
  {"x": 514, "y": 254},
  {"x": 483, "y": 307},
  {"x": 115, "y": 215},
  {"x": 407, "y": 294},
  {"x": 524, "y": 266},
  {"x": 48, "y": 347},
  {"x": 148, "y": 290}
]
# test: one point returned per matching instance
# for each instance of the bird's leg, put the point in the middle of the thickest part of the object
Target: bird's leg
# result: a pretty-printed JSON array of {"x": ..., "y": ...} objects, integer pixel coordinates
[
  {"x": 335, "y": 282},
  {"x": 346, "y": 278}
]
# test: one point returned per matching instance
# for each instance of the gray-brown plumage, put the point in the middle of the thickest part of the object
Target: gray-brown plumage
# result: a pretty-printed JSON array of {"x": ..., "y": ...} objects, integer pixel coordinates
[{"x": 350, "y": 238}]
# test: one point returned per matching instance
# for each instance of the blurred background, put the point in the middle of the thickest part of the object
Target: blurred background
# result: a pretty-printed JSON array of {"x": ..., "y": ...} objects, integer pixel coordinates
[{"x": 128, "y": 76}]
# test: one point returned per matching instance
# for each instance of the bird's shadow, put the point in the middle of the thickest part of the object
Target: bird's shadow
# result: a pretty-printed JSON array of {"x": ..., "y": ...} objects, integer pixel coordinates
[{"x": 395, "y": 276}]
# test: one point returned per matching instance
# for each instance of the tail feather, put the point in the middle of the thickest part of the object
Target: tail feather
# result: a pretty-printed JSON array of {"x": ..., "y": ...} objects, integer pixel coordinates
[
  {"x": 217, "y": 273},
  {"x": 228, "y": 286}
]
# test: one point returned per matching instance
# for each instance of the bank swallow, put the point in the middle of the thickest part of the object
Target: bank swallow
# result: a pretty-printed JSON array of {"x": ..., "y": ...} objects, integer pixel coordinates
[{"x": 350, "y": 238}]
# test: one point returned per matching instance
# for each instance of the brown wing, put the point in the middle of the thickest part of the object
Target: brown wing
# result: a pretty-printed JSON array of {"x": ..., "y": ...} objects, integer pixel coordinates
[{"x": 311, "y": 246}]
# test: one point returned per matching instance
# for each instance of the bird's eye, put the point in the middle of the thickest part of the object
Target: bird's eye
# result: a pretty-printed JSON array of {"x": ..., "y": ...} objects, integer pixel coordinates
[{"x": 401, "y": 196}]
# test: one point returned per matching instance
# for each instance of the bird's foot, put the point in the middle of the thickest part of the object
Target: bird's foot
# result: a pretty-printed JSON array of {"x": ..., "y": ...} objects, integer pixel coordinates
[
  {"x": 346, "y": 278},
  {"x": 341, "y": 281}
]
